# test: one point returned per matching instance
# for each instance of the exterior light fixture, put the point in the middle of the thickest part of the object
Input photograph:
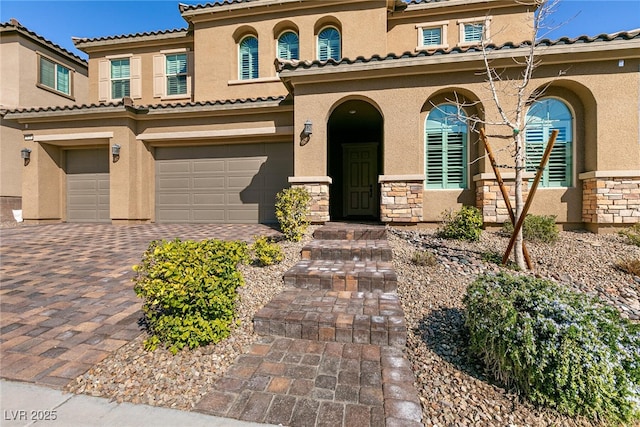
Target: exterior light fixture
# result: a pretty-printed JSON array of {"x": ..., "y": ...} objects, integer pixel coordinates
[
  {"x": 25, "y": 153},
  {"x": 308, "y": 128},
  {"x": 115, "y": 151},
  {"x": 28, "y": 137}
]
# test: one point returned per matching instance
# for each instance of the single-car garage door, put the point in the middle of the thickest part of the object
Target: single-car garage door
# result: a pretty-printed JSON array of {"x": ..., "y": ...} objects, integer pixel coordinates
[
  {"x": 88, "y": 185},
  {"x": 221, "y": 183}
]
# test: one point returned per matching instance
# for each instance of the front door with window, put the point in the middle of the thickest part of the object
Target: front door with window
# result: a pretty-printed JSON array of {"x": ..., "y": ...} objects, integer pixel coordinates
[{"x": 360, "y": 179}]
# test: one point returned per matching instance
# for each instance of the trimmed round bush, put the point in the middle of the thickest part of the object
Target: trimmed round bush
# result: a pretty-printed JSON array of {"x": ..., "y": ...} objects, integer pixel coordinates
[
  {"x": 558, "y": 348},
  {"x": 465, "y": 224}
]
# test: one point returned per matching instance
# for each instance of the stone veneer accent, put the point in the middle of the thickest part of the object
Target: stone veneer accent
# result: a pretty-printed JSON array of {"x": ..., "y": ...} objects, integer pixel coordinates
[
  {"x": 490, "y": 201},
  {"x": 318, "y": 188},
  {"x": 401, "y": 198},
  {"x": 610, "y": 200}
]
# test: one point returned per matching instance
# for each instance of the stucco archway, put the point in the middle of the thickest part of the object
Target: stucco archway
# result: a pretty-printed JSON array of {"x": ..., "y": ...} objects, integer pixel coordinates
[{"x": 354, "y": 159}]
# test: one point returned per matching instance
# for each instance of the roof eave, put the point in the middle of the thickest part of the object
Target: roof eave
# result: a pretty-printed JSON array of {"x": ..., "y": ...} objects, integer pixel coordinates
[
  {"x": 83, "y": 44},
  {"x": 46, "y": 43}
]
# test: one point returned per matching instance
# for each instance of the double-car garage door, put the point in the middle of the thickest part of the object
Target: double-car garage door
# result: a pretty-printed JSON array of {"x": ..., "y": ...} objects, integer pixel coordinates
[{"x": 221, "y": 183}]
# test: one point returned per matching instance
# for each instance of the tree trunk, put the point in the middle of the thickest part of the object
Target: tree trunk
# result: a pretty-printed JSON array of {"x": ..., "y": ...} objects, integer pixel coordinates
[{"x": 518, "y": 253}]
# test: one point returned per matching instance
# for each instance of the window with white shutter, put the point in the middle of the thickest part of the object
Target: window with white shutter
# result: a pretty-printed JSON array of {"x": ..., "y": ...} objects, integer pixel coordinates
[
  {"x": 176, "y": 72},
  {"x": 54, "y": 76},
  {"x": 543, "y": 117},
  {"x": 329, "y": 44},
  {"x": 288, "y": 46},
  {"x": 248, "y": 58},
  {"x": 446, "y": 135}
]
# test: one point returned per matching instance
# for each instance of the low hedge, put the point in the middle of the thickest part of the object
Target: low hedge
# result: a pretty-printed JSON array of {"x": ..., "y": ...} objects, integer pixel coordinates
[
  {"x": 560, "y": 349},
  {"x": 189, "y": 291}
]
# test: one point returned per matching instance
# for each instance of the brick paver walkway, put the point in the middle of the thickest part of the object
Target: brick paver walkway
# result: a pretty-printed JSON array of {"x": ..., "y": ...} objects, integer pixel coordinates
[{"x": 66, "y": 296}]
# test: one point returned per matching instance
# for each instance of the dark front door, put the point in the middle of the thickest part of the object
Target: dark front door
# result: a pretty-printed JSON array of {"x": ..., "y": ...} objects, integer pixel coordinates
[{"x": 360, "y": 179}]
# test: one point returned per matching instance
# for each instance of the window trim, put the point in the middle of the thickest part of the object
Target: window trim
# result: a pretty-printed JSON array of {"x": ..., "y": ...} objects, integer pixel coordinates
[
  {"x": 185, "y": 74},
  {"x": 326, "y": 27},
  {"x": 257, "y": 58},
  {"x": 111, "y": 79},
  {"x": 39, "y": 57},
  {"x": 444, "y": 32},
  {"x": 278, "y": 43},
  {"x": 485, "y": 21},
  {"x": 572, "y": 172},
  {"x": 160, "y": 74},
  {"x": 464, "y": 185}
]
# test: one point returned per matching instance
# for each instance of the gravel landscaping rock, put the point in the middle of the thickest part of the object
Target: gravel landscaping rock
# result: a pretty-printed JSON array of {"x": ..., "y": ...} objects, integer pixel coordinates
[{"x": 453, "y": 389}]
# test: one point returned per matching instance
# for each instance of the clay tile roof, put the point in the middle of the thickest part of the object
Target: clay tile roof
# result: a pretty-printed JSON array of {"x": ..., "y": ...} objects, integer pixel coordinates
[
  {"x": 294, "y": 65},
  {"x": 80, "y": 40},
  {"x": 185, "y": 7},
  {"x": 127, "y": 104},
  {"x": 15, "y": 25}
]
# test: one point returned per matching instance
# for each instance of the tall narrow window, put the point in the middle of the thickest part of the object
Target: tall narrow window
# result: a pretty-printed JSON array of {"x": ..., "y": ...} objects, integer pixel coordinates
[
  {"x": 176, "y": 72},
  {"x": 329, "y": 44},
  {"x": 249, "y": 58},
  {"x": 288, "y": 46},
  {"x": 120, "y": 74},
  {"x": 54, "y": 76},
  {"x": 446, "y": 148},
  {"x": 543, "y": 117}
]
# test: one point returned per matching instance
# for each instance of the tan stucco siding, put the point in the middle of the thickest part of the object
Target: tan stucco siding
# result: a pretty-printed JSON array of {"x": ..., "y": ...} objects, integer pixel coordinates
[{"x": 12, "y": 164}]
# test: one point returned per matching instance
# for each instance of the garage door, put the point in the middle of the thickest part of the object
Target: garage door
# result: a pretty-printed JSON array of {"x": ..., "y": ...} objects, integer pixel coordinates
[
  {"x": 221, "y": 184},
  {"x": 88, "y": 185}
]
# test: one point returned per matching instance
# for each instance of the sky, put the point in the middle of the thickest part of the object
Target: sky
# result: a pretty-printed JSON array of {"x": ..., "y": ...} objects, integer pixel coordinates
[{"x": 58, "y": 21}]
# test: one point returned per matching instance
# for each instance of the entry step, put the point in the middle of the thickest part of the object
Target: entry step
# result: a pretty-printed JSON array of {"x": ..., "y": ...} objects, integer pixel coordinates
[
  {"x": 354, "y": 276},
  {"x": 348, "y": 250},
  {"x": 342, "y": 231}
]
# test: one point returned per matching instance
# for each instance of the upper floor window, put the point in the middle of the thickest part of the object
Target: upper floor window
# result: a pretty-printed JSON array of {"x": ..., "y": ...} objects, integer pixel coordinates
[
  {"x": 54, "y": 76},
  {"x": 288, "y": 46},
  {"x": 176, "y": 74},
  {"x": 543, "y": 117},
  {"x": 446, "y": 138},
  {"x": 474, "y": 31},
  {"x": 248, "y": 58},
  {"x": 329, "y": 46},
  {"x": 120, "y": 74},
  {"x": 432, "y": 35}
]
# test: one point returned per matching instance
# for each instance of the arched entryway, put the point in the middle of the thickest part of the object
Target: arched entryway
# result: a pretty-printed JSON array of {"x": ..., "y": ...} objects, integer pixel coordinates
[{"x": 355, "y": 130}]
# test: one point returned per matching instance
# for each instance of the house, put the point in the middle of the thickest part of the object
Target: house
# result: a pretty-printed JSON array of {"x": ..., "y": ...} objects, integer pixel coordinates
[
  {"x": 352, "y": 100},
  {"x": 34, "y": 72}
]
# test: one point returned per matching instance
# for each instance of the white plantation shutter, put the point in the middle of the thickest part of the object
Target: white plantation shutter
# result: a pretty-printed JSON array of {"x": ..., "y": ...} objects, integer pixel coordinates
[
  {"x": 329, "y": 44},
  {"x": 473, "y": 32},
  {"x": 431, "y": 36},
  {"x": 136, "y": 77},
  {"x": 104, "y": 82},
  {"x": 158, "y": 76},
  {"x": 289, "y": 46},
  {"x": 176, "y": 72},
  {"x": 248, "y": 58}
]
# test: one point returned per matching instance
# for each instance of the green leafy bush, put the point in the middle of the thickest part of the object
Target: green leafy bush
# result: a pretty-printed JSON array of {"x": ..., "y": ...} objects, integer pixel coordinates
[
  {"x": 189, "y": 291},
  {"x": 536, "y": 228},
  {"x": 558, "y": 348},
  {"x": 266, "y": 252},
  {"x": 465, "y": 224},
  {"x": 292, "y": 211},
  {"x": 632, "y": 234},
  {"x": 424, "y": 259}
]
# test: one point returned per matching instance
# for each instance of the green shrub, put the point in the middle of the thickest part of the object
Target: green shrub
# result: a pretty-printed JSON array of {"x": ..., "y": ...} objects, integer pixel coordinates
[
  {"x": 266, "y": 252},
  {"x": 536, "y": 228},
  {"x": 465, "y": 224},
  {"x": 632, "y": 234},
  {"x": 189, "y": 291},
  {"x": 558, "y": 348},
  {"x": 629, "y": 265},
  {"x": 292, "y": 211},
  {"x": 424, "y": 259}
]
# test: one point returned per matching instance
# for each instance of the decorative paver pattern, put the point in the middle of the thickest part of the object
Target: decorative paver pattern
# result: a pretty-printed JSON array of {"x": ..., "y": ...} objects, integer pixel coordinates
[
  {"x": 355, "y": 276},
  {"x": 66, "y": 295},
  {"x": 348, "y": 250}
]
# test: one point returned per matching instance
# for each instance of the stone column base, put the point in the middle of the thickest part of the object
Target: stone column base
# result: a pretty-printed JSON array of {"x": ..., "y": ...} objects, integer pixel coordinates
[
  {"x": 401, "y": 198},
  {"x": 489, "y": 197},
  {"x": 318, "y": 188},
  {"x": 610, "y": 198}
]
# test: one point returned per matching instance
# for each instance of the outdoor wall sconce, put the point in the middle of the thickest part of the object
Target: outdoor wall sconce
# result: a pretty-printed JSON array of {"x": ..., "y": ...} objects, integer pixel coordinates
[
  {"x": 115, "y": 151},
  {"x": 308, "y": 128},
  {"x": 25, "y": 153}
]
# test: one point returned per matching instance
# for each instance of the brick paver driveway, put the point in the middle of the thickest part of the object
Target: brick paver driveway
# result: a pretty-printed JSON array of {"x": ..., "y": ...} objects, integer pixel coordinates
[{"x": 66, "y": 296}]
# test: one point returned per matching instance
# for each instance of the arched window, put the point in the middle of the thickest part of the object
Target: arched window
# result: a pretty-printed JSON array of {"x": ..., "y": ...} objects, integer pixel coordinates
[
  {"x": 543, "y": 117},
  {"x": 446, "y": 147},
  {"x": 248, "y": 58},
  {"x": 288, "y": 46},
  {"x": 329, "y": 44}
]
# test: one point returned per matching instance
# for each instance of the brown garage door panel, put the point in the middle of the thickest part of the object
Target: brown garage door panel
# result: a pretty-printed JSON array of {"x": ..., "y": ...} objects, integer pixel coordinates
[
  {"x": 221, "y": 184},
  {"x": 88, "y": 185}
]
